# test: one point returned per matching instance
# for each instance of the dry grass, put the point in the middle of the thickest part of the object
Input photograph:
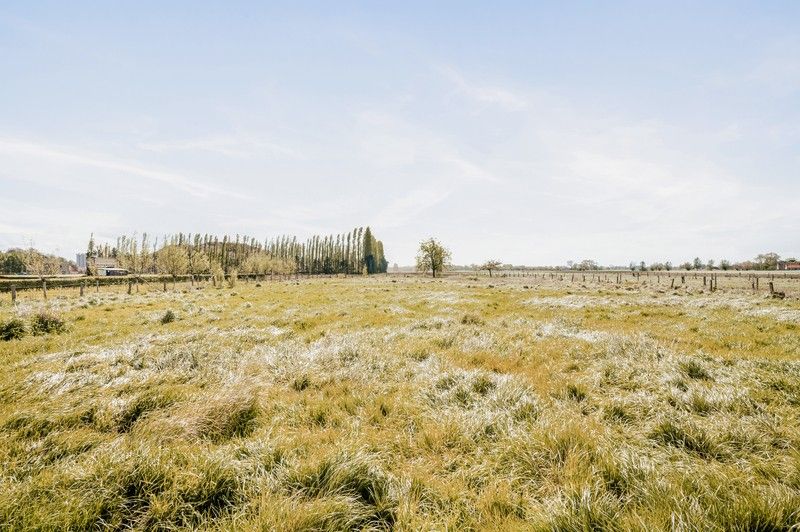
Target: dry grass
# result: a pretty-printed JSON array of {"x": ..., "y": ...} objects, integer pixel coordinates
[{"x": 402, "y": 403}]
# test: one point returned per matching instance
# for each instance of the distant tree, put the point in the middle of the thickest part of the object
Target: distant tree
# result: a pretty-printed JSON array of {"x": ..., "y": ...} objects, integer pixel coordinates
[
  {"x": 432, "y": 257},
  {"x": 197, "y": 263},
  {"x": 588, "y": 264},
  {"x": 172, "y": 260},
  {"x": 725, "y": 264},
  {"x": 642, "y": 266},
  {"x": 41, "y": 266},
  {"x": 686, "y": 265},
  {"x": 710, "y": 264},
  {"x": 91, "y": 253},
  {"x": 258, "y": 263},
  {"x": 697, "y": 264},
  {"x": 632, "y": 266},
  {"x": 217, "y": 274},
  {"x": 12, "y": 262},
  {"x": 767, "y": 261},
  {"x": 668, "y": 265},
  {"x": 490, "y": 266}
]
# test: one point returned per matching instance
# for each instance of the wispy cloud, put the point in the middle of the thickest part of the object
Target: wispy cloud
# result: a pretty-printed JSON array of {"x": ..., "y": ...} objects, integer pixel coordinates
[
  {"x": 71, "y": 156},
  {"x": 484, "y": 93},
  {"x": 411, "y": 204},
  {"x": 229, "y": 146}
]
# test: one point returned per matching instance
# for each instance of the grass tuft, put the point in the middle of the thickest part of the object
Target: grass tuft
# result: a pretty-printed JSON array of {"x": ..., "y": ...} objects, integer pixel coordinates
[
  {"x": 687, "y": 437},
  {"x": 695, "y": 370},
  {"x": 168, "y": 317}
]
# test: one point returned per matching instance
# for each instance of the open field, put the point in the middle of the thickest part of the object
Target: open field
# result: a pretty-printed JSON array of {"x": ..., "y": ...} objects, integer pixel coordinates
[{"x": 406, "y": 403}]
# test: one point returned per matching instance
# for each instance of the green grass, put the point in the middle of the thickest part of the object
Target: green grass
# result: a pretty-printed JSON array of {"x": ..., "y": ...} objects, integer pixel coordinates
[{"x": 400, "y": 403}]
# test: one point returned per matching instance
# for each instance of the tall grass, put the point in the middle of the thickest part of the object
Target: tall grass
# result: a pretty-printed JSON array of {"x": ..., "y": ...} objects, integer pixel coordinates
[{"x": 364, "y": 404}]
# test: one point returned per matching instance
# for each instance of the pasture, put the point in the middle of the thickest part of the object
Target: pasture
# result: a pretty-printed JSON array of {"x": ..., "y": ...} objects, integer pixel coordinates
[{"x": 407, "y": 403}]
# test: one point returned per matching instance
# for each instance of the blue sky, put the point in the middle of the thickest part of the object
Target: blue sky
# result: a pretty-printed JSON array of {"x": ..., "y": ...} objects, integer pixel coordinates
[{"x": 527, "y": 132}]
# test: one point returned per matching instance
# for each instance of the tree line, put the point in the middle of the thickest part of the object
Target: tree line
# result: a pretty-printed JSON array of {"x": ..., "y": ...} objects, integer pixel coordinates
[
  {"x": 354, "y": 252},
  {"x": 17, "y": 261}
]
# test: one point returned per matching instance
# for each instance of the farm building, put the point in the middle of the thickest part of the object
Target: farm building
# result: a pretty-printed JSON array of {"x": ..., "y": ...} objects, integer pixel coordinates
[
  {"x": 107, "y": 272},
  {"x": 789, "y": 264}
]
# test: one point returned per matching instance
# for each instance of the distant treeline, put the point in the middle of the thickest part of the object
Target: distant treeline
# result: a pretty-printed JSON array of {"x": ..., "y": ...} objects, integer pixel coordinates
[
  {"x": 353, "y": 252},
  {"x": 16, "y": 261}
]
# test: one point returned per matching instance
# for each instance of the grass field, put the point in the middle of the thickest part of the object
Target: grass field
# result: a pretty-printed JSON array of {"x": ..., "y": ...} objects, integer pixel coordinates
[{"x": 404, "y": 403}]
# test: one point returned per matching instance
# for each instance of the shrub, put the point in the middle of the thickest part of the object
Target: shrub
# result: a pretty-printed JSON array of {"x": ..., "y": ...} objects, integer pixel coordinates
[
  {"x": 233, "y": 276},
  {"x": 45, "y": 322},
  {"x": 168, "y": 317},
  {"x": 13, "y": 329}
]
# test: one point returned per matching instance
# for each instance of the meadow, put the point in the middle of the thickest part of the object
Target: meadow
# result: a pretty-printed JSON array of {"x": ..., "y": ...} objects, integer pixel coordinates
[{"x": 402, "y": 402}]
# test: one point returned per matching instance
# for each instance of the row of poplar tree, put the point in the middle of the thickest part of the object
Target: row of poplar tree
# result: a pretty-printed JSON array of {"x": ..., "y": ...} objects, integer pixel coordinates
[{"x": 353, "y": 252}]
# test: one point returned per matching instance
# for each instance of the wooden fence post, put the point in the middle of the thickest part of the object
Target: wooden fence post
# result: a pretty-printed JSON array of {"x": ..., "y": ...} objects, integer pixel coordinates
[
  {"x": 44, "y": 288},
  {"x": 97, "y": 286},
  {"x": 13, "y": 295},
  {"x": 130, "y": 286},
  {"x": 83, "y": 286}
]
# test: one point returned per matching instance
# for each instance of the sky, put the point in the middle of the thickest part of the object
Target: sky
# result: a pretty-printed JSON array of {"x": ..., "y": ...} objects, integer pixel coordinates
[{"x": 527, "y": 132}]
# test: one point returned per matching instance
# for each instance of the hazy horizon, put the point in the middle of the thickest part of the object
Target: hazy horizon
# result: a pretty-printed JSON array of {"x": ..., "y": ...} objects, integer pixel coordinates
[{"x": 528, "y": 134}]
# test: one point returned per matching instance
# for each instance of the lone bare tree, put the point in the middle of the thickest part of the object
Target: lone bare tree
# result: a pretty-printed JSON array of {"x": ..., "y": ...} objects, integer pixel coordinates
[
  {"x": 491, "y": 265},
  {"x": 432, "y": 257}
]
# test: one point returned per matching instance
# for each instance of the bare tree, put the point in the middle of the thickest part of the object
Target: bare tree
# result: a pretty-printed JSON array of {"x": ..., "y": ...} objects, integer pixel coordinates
[{"x": 491, "y": 265}]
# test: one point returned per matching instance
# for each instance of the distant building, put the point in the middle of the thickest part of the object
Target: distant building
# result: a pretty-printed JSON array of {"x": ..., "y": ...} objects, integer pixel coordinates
[
  {"x": 94, "y": 265},
  {"x": 104, "y": 262},
  {"x": 789, "y": 265},
  {"x": 80, "y": 261},
  {"x": 109, "y": 272}
]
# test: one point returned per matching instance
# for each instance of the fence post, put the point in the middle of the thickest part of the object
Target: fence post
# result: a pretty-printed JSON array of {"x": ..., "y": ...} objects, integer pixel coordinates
[
  {"x": 165, "y": 286},
  {"x": 130, "y": 285},
  {"x": 13, "y": 295},
  {"x": 44, "y": 288},
  {"x": 83, "y": 286},
  {"x": 97, "y": 286}
]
